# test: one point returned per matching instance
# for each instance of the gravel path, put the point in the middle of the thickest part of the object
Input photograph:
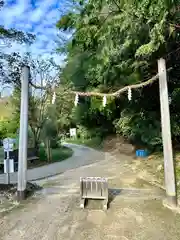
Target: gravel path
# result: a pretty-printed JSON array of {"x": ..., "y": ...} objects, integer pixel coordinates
[{"x": 135, "y": 213}]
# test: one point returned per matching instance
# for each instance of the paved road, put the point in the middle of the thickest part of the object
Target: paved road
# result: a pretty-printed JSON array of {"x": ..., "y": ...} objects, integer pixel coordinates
[{"x": 55, "y": 168}]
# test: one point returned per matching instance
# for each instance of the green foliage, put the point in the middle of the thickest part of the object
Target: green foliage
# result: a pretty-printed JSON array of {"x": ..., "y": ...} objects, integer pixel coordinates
[
  {"x": 6, "y": 108},
  {"x": 114, "y": 44},
  {"x": 3, "y": 130},
  {"x": 61, "y": 111},
  {"x": 83, "y": 132},
  {"x": 58, "y": 154},
  {"x": 140, "y": 128},
  {"x": 67, "y": 22},
  {"x": 8, "y": 128},
  {"x": 95, "y": 142},
  {"x": 49, "y": 130}
]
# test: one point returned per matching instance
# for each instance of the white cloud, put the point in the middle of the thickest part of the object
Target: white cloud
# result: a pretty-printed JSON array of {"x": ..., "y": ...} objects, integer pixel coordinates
[
  {"x": 10, "y": 12},
  {"x": 36, "y": 15},
  {"x": 38, "y": 18}
]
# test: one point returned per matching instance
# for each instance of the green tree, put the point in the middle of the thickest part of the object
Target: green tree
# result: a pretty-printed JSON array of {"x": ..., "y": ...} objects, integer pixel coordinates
[
  {"x": 117, "y": 43},
  {"x": 7, "y": 75},
  {"x": 8, "y": 128},
  {"x": 42, "y": 72}
]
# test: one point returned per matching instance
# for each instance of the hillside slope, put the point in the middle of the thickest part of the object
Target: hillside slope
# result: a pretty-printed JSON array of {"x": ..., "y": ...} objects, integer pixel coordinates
[{"x": 5, "y": 107}]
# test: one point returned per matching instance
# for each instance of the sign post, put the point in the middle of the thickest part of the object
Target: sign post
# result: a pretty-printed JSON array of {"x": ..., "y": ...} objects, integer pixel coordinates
[
  {"x": 8, "y": 145},
  {"x": 73, "y": 132},
  {"x": 7, "y": 168}
]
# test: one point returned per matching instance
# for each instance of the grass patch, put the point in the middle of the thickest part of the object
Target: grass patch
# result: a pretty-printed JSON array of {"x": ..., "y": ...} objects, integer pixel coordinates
[
  {"x": 93, "y": 142},
  {"x": 155, "y": 166},
  {"x": 58, "y": 154},
  {"x": 6, "y": 107}
]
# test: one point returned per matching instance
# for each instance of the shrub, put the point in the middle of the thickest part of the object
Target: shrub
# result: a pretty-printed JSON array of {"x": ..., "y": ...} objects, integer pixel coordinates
[
  {"x": 54, "y": 143},
  {"x": 140, "y": 128}
]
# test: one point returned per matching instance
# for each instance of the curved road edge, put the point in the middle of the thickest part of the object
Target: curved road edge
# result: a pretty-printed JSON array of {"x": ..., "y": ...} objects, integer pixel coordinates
[{"x": 82, "y": 156}]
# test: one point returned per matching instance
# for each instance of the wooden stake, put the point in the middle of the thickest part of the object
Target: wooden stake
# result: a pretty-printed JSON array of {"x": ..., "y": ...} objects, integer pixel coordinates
[{"x": 166, "y": 136}]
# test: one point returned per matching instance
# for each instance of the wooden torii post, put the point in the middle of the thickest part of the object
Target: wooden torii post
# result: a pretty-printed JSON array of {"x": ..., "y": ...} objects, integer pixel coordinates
[{"x": 169, "y": 172}]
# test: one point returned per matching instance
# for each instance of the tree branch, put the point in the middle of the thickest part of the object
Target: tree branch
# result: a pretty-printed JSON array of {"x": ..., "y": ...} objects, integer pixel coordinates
[
  {"x": 47, "y": 88},
  {"x": 117, "y": 5},
  {"x": 50, "y": 82}
]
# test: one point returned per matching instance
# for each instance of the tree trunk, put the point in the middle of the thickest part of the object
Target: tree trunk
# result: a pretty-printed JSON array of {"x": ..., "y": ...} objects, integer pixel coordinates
[
  {"x": 36, "y": 141},
  {"x": 48, "y": 150},
  {"x": 36, "y": 147}
]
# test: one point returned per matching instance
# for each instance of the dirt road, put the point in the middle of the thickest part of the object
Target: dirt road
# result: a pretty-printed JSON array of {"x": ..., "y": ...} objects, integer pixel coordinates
[{"x": 135, "y": 213}]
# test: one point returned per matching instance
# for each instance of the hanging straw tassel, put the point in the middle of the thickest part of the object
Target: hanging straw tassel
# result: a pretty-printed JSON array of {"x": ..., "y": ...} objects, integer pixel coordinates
[
  {"x": 129, "y": 94},
  {"x": 54, "y": 98},
  {"x": 76, "y": 100},
  {"x": 104, "y": 101}
]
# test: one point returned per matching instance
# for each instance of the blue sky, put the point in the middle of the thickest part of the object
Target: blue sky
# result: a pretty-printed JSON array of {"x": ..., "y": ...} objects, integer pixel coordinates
[{"x": 38, "y": 17}]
